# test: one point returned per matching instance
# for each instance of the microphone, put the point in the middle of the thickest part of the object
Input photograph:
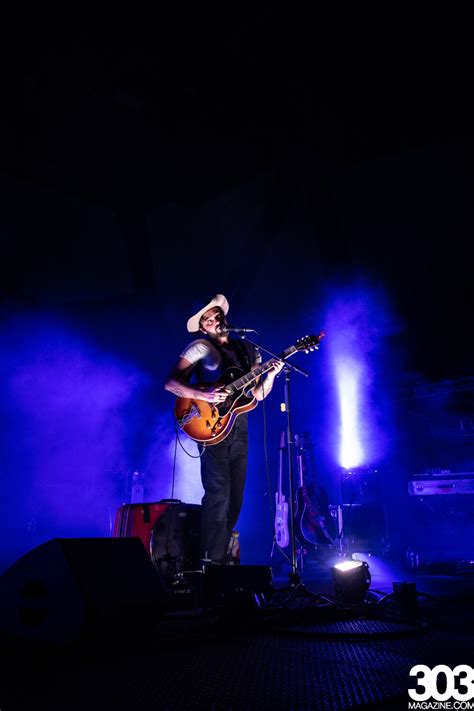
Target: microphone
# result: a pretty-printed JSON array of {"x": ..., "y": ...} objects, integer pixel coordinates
[{"x": 228, "y": 329}]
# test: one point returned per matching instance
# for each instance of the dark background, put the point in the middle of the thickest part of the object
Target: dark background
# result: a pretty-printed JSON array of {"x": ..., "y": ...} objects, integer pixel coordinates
[
  {"x": 257, "y": 158},
  {"x": 357, "y": 158}
]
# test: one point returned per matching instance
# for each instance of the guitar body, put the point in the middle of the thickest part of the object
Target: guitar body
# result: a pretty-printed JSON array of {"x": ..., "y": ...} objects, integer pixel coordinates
[
  {"x": 282, "y": 535},
  {"x": 314, "y": 523},
  {"x": 209, "y": 423}
]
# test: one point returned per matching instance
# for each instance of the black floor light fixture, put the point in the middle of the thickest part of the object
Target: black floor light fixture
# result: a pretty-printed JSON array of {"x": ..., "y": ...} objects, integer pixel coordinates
[{"x": 351, "y": 581}]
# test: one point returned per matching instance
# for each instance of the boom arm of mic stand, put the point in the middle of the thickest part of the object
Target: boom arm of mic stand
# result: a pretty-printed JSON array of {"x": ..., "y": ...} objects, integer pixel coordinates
[
  {"x": 274, "y": 355},
  {"x": 296, "y": 368}
]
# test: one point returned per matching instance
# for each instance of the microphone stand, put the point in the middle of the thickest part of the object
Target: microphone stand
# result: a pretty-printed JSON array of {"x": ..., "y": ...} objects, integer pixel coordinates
[{"x": 295, "y": 582}]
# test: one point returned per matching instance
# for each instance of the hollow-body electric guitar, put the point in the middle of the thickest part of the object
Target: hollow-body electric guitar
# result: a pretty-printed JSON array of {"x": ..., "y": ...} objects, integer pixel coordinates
[
  {"x": 313, "y": 521},
  {"x": 210, "y": 423}
]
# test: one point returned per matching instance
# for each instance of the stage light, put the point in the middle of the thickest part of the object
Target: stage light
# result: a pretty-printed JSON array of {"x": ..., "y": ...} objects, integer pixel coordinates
[
  {"x": 351, "y": 581},
  {"x": 348, "y": 375}
]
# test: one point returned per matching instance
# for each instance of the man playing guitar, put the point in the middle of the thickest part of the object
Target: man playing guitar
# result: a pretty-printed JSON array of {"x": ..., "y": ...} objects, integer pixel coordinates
[{"x": 224, "y": 447}]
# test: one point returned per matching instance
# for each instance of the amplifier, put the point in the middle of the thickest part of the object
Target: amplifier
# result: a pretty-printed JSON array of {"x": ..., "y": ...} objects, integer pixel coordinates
[{"x": 461, "y": 484}]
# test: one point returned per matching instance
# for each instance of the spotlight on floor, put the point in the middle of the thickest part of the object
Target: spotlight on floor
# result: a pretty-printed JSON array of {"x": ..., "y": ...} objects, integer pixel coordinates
[
  {"x": 351, "y": 581},
  {"x": 382, "y": 569}
]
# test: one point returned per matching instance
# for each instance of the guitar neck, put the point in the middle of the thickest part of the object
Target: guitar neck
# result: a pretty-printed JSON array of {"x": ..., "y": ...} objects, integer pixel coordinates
[
  {"x": 259, "y": 370},
  {"x": 302, "y": 482},
  {"x": 280, "y": 473},
  {"x": 308, "y": 465}
]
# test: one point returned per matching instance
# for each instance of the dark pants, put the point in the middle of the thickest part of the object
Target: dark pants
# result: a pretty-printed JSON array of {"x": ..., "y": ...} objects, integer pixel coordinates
[{"x": 223, "y": 472}]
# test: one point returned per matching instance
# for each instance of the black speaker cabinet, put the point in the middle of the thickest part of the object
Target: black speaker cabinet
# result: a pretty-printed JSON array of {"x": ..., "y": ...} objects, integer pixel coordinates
[
  {"x": 68, "y": 588},
  {"x": 365, "y": 528},
  {"x": 361, "y": 487}
]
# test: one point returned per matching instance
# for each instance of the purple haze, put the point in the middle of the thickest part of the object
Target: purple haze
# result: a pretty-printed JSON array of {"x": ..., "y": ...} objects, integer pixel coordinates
[
  {"x": 358, "y": 321},
  {"x": 69, "y": 443}
]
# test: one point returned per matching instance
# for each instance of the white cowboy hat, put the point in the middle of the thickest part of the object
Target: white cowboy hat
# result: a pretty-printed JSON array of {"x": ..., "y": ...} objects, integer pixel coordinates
[{"x": 218, "y": 300}]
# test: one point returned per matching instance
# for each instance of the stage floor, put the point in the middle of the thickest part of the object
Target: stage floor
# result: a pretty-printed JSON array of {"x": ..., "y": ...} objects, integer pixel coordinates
[{"x": 299, "y": 655}]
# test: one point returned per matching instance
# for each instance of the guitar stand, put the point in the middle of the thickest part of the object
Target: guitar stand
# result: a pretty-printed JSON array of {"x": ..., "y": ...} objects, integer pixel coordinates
[{"x": 279, "y": 549}]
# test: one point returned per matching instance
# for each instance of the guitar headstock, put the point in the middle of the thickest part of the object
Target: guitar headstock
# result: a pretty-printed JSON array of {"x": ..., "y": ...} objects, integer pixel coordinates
[
  {"x": 303, "y": 442},
  {"x": 309, "y": 343},
  {"x": 305, "y": 453}
]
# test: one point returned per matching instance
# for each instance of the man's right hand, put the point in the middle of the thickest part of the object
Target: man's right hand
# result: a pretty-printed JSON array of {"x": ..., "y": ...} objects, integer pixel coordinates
[{"x": 212, "y": 394}]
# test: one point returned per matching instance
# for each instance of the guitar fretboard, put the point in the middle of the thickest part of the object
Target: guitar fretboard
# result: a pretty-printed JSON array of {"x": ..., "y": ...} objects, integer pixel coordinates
[{"x": 259, "y": 370}]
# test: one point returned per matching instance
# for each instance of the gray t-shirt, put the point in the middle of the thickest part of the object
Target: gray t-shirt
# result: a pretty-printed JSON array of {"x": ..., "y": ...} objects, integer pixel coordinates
[{"x": 208, "y": 361}]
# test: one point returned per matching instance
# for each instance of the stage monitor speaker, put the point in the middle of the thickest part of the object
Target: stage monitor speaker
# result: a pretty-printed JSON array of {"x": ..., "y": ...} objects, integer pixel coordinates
[{"x": 68, "y": 589}]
